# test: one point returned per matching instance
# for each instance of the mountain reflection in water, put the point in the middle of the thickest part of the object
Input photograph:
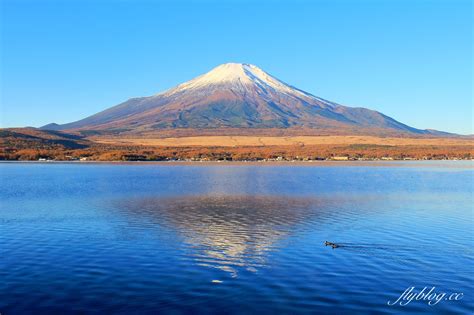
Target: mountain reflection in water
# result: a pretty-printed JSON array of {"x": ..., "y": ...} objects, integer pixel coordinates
[{"x": 226, "y": 232}]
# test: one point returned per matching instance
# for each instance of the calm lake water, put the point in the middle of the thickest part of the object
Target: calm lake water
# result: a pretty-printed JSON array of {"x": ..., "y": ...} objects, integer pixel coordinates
[{"x": 237, "y": 239}]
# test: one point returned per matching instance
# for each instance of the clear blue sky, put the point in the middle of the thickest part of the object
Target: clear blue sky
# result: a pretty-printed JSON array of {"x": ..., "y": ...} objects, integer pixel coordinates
[{"x": 65, "y": 60}]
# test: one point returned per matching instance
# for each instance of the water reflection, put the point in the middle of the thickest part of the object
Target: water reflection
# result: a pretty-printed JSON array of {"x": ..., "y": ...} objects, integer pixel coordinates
[{"x": 229, "y": 232}]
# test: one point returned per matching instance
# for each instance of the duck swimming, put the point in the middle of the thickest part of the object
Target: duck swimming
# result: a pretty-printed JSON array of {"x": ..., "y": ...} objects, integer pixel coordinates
[{"x": 333, "y": 245}]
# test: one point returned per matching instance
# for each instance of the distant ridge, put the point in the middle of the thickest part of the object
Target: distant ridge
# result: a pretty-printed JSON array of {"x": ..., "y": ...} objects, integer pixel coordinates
[
  {"x": 52, "y": 126},
  {"x": 238, "y": 96}
]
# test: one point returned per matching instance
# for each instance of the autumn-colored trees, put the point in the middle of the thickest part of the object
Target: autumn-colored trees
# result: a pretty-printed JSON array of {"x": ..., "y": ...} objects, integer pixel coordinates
[
  {"x": 33, "y": 144},
  {"x": 315, "y": 152}
]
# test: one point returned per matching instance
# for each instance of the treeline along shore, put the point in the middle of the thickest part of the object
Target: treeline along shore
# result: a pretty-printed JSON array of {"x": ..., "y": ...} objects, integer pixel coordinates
[{"x": 33, "y": 145}]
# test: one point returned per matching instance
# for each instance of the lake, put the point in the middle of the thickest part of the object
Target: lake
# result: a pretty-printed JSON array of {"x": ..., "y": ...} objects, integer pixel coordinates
[{"x": 236, "y": 238}]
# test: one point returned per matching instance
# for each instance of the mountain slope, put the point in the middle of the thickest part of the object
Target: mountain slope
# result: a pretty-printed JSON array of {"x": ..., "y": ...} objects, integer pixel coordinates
[
  {"x": 235, "y": 96},
  {"x": 32, "y": 138}
]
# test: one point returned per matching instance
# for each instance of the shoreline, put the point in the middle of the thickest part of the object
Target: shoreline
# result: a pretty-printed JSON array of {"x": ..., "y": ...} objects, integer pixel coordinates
[{"x": 468, "y": 164}]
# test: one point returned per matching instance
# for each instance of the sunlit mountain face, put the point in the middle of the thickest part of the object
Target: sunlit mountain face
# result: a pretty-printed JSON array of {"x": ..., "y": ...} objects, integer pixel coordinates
[{"x": 236, "y": 95}]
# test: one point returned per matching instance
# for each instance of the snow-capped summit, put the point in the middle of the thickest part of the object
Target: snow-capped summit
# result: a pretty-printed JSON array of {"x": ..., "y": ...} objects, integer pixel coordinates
[
  {"x": 237, "y": 95},
  {"x": 238, "y": 77},
  {"x": 229, "y": 73},
  {"x": 225, "y": 73}
]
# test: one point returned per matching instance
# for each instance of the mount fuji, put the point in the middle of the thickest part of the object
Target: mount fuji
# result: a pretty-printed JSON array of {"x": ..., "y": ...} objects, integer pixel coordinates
[{"x": 237, "y": 96}]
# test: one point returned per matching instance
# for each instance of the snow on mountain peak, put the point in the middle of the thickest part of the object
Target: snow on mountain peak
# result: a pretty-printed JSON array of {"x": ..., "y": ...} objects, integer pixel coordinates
[
  {"x": 227, "y": 73},
  {"x": 238, "y": 76}
]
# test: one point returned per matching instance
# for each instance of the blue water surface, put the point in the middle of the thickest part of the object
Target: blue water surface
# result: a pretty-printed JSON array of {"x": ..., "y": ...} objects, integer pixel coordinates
[{"x": 235, "y": 239}]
